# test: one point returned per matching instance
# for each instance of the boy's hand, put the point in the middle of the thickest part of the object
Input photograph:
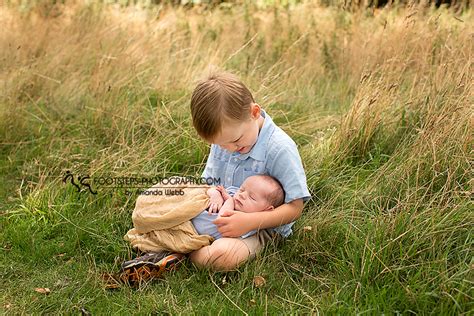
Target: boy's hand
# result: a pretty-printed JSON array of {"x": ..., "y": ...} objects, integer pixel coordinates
[
  {"x": 233, "y": 223},
  {"x": 223, "y": 192}
]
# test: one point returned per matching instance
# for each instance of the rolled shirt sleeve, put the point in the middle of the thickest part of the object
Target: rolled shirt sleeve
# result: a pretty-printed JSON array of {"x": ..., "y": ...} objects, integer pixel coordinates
[{"x": 286, "y": 166}]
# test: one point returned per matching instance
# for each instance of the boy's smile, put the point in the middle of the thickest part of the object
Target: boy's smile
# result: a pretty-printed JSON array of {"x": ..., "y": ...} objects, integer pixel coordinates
[{"x": 240, "y": 136}]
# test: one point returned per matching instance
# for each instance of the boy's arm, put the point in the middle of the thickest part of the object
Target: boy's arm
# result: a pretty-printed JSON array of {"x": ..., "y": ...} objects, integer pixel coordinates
[
  {"x": 283, "y": 214},
  {"x": 233, "y": 223}
]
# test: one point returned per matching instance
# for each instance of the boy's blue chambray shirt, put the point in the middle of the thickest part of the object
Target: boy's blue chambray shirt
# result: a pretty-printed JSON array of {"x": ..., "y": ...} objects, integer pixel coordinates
[{"x": 274, "y": 153}]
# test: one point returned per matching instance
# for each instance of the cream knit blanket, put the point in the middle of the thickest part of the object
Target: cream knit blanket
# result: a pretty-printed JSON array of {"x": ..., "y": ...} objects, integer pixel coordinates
[{"x": 162, "y": 222}]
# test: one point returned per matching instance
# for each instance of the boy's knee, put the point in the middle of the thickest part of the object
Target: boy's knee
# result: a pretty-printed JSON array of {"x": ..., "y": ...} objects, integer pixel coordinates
[
  {"x": 222, "y": 255},
  {"x": 220, "y": 248},
  {"x": 228, "y": 254}
]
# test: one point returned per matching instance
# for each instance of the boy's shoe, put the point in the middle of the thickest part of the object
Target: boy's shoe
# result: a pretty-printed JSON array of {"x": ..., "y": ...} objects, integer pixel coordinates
[
  {"x": 147, "y": 259},
  {"x": 149, "y": 267}
]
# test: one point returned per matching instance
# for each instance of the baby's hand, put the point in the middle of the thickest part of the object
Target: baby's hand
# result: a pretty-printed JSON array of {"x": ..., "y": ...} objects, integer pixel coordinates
[
  {"x": 223, "y": 192},
  {"x": 215, "y": 203}
]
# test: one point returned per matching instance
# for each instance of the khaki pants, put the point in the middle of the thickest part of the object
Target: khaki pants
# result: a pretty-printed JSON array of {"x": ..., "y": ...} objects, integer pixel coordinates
[{"x": 258, "y": 241}]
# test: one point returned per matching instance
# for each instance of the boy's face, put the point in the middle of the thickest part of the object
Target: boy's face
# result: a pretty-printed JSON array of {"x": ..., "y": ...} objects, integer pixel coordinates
[
  {"x": 252, "y": 196},
  {"x": 240, "y": 136}
]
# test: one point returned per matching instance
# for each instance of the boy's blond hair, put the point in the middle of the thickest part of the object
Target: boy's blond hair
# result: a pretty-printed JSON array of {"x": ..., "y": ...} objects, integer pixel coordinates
[{"x": 219, "y": 97}]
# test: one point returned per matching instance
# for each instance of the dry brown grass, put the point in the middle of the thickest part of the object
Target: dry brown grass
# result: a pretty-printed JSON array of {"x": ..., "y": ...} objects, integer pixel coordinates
[{"x": 126, "y": 73}]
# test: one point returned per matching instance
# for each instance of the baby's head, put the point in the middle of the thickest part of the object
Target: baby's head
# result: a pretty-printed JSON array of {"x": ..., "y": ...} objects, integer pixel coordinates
[
  {"x": 224, "y": 112},
  {"x": 259, "y": 193}
]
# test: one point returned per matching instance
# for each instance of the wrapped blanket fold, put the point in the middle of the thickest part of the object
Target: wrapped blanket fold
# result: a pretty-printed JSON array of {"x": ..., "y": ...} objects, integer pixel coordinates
[{"x": 162, "y": 222}]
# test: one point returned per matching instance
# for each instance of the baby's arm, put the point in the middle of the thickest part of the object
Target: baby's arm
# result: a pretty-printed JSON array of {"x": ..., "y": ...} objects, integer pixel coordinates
[{"x": 229, "y": 200}]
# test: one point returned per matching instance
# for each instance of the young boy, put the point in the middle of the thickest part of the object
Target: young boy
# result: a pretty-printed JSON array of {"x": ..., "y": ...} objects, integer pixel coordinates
[{"x": 245, "y": 142}]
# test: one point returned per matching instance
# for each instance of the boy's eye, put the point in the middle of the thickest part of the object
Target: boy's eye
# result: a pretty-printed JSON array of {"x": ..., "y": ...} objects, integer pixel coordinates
[{"x": 235, "y": 141}]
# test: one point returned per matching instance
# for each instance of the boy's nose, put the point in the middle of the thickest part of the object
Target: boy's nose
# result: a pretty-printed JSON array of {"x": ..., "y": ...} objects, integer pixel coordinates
[{"x": 229, "y": 147}]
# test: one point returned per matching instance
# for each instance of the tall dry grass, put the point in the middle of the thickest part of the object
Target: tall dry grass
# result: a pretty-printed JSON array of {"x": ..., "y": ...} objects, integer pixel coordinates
[
  {"x": 88, "y": 62},
  {"x": 379, "y": 102}
]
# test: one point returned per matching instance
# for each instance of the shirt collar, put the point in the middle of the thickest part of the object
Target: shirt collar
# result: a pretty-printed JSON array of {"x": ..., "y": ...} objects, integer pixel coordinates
[{"x": 259, "y": 149}]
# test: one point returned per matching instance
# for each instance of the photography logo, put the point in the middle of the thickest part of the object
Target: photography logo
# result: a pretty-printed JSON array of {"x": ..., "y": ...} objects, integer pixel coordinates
[
  {"x": 81, "y": 185},
  {"x": 161, "y": 185}
]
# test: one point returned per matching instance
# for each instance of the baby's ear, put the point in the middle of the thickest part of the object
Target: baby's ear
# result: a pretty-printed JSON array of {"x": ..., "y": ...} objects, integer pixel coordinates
[{"x": 270, "y": 208}]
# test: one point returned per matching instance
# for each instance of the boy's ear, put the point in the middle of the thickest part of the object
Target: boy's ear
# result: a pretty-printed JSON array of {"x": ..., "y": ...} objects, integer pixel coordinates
[
  {"x": 270, "y": 208},
  {"x": 255, "y": 111}
]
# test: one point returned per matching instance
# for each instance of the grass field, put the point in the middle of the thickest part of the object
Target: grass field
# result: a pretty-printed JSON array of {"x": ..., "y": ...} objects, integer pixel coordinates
[{"x": 379, "y": 102}]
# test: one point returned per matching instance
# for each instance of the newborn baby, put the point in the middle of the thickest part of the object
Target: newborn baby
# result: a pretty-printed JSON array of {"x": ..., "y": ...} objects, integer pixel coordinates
[{"x": 257, "y": 193}]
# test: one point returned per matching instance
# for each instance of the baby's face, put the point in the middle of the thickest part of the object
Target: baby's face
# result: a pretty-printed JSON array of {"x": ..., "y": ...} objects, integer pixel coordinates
[{"x": 252, "y": 196}]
